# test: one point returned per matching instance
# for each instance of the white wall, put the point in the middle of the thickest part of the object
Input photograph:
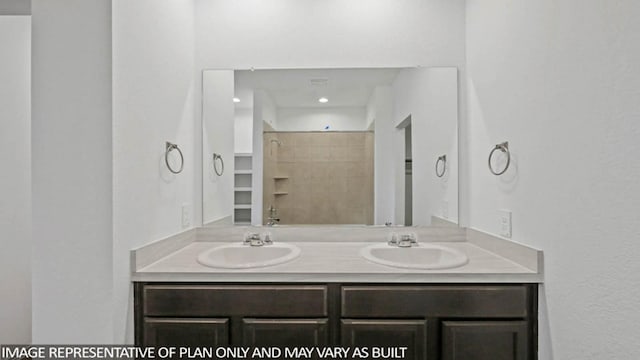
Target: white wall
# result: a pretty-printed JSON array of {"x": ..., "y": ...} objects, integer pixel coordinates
[
  {"x": 388, "y": 33},
  {"x": 316, "y": 119},
  {"x": 72, "y": 172},
  {"x": 264, "y": 111},
  {"x": 430, "y": 97},
  {"x": 15, "y": 7},
  {"x": 218, "y": 129},
  {"x": 15, "y": 184},
  {"x": 153, "y": 79},
  {"x": 381, "y": 104},
  {"x": 559, "y": 80},
  {"x": 332, "y": 33},
  {"x": 243, "y": 130}
]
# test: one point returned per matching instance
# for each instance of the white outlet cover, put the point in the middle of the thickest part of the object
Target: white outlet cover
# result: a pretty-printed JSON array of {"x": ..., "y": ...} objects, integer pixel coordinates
[{"x": 505, "y": 223}]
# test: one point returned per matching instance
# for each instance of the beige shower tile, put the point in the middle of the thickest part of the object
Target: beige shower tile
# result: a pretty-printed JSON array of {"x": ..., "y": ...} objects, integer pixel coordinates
[
  {"x": 286, "y": 138},
  {"x": 319, "y": 153},
  {"x": 340, "y": 168},
  {"x": 318, "y": 140},
  {"x": 338, "y": 185},
  {"x": 301, "y": 153},
  {"x": 301, "y": 215},
  {"x": 340, "y": 139},
  {"x": 282, "y": 185},
  {"x": 356, "y": 139},
  {"x": 355, "y": 154},
  {"x": 338, "y": 153},
  {"x": 301, "y": 196},
  {"x": 286, "y": 153},
  {"x": 301, "y": 139},
  {"x": 355, "y": 169},
  {"x": 284, "y": 168},
  {"x": 284, "y": 201}
]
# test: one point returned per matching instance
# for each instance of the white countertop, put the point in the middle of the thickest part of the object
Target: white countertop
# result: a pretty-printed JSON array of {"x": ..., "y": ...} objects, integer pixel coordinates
[{"x": 338, "y": 262}]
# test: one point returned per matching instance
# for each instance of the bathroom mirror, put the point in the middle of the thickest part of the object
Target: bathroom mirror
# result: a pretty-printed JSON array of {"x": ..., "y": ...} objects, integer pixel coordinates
[{"x": 368, "y": 146}]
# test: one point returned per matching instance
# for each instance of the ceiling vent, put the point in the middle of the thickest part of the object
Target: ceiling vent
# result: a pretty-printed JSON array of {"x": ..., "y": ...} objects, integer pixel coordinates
[{"x": 318, "y": 82}]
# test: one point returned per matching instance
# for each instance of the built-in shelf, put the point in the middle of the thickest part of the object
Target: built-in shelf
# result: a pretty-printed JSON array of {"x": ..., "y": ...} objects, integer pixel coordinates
[
  {"x": 281, "y": 193},
  {"x": 280, "y": 177},
  {"x": 243, "y": 174}
]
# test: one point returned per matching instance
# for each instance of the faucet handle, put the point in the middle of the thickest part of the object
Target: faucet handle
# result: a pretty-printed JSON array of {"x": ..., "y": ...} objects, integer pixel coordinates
[
  {"x": 407, "y": 240},
  {"x": 393, "y": 239},
  {"x": 251, "y": 238},
  {"x": 268, "y": 238}
]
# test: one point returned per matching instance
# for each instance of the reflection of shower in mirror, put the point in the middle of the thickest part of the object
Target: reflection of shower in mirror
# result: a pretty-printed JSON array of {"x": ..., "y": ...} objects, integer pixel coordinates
[
  {"x": 339, "y": 162},
  {"x": 271, "y": 148}
]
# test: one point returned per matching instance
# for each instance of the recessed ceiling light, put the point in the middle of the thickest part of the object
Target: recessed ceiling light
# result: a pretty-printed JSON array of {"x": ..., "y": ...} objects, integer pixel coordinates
[
  {"x": 236, "y": 100},
  {"x": 323, "y": 100}
]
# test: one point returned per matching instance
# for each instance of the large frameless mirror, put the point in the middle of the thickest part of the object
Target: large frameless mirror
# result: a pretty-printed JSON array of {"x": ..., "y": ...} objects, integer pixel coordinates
[{"x": 330, "y": 146}]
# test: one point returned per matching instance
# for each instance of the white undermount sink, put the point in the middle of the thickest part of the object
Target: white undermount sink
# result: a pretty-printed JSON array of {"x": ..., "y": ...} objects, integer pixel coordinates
[
  {"x": 421, "y": 256},
  {"x": 239, "y": 256}
]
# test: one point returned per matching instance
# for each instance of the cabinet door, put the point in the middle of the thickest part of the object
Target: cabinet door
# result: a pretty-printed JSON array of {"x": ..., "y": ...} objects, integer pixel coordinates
[
  {"x": 411, "y": 334},
  {"x": 186, "y": 332},
  {"x": 284, "y": 332},
  {"x": 484, "y": 340}
]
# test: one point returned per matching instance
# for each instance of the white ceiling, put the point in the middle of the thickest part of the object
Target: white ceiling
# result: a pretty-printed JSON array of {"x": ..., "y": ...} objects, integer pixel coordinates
[{"x": 302, "y": 88}]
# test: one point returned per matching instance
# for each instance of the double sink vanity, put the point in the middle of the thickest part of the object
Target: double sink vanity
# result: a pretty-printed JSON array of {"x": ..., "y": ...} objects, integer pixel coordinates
[{"x": 441, "y": 292}]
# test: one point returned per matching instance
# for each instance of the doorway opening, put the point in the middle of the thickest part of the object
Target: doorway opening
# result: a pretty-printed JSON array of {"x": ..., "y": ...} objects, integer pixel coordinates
[
  {"x": 408, "y": 170},
  {"x": 404, "y": 199}
]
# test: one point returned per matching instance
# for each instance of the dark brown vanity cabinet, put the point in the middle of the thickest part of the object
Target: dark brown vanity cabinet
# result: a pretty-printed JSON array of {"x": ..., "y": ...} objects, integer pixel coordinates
[
  {"x": 448, "y": 322},
  {"x": 238, "y": 315}
]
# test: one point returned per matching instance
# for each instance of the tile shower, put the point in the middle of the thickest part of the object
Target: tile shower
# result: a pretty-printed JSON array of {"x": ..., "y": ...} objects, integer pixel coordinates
[{"x": 318, "y": 177}]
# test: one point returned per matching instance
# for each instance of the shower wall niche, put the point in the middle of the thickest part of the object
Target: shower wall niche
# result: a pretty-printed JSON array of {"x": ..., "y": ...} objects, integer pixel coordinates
[{"x": 318, "y": 177}]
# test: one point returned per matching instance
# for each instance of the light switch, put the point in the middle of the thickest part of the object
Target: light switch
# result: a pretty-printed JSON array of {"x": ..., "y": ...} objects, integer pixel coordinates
[
  {"x": 505, "y": 223},
  {"x": 186, "y": 216}
]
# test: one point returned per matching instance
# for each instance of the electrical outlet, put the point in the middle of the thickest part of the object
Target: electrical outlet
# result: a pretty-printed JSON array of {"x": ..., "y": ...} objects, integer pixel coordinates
[
  {"x": 186, "y": 215},
  {"x": 445, "y": 209},
  {"x": 505, "y": 223}
]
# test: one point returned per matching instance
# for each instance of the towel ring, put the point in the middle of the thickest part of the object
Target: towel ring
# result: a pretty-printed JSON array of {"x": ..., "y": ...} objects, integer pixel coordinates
[
  {"x": 170, "y": 147},
  {"x": 443, "y": 159},
  {"x": 215, "y": 164},
  {"x": 504, "y": 147}
]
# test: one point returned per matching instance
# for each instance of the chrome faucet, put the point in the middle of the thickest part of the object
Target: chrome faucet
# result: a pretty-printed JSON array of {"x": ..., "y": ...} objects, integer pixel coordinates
[
  {"x": 254, "y": 239},
  {"x": 404, "y": 240},
  {"x": 272, "y": 219}
]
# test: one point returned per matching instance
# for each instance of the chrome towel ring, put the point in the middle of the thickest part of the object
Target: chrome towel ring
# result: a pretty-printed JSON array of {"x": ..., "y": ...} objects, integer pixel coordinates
[
  {"x": 443, "y": 159},
  {"x": 215, "y": 164},
  {"x": 170, "y": 147},
  {"x": 504, "y": 147}
]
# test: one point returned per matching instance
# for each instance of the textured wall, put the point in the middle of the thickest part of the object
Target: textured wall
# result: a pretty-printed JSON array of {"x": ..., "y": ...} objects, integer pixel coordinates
[
  {"x": 328, "y": 177},
  {"x": 430, "y": 97},
  {"x": 71, "y": 153},
  {"x": 153, "y": 102},
  {"x": 15, "y": 189},
  {"x": 332, "y": 33},
  {"x": 560, "y": 81}
]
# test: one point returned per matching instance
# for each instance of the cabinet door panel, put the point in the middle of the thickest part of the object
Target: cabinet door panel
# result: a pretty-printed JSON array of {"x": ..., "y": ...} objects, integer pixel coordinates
[
  {"x": 285, "y": 332},
  {"x": 235, "y": 300},
  {"x": 459, "y": 301},
  {"x": 387, "y": 333},
  {"x": 186, "y": 332},
  {"x": 484, "y": 340}
]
